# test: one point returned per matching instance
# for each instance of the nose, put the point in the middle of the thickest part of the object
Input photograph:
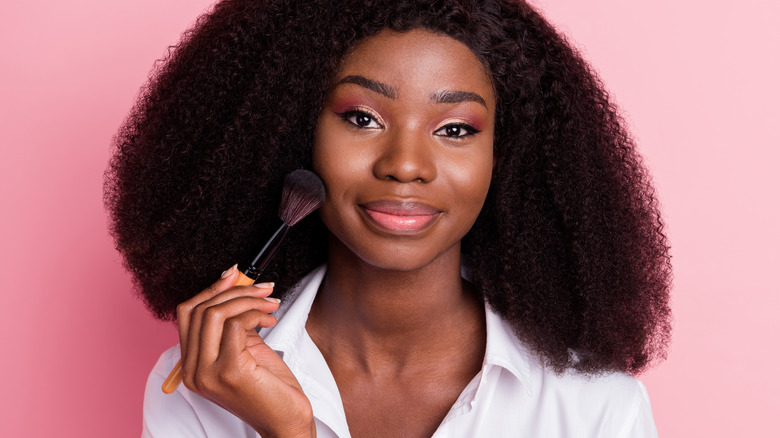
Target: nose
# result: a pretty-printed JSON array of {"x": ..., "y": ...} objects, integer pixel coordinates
[{"x": 407, "y": 157}]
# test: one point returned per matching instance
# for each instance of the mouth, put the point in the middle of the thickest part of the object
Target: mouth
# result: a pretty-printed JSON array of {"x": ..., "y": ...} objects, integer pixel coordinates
[{"x": 400, "y": 217}]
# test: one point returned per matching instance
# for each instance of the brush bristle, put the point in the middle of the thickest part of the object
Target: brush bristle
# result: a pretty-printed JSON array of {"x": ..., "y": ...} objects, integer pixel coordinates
[{"x": 303, "y": 193}]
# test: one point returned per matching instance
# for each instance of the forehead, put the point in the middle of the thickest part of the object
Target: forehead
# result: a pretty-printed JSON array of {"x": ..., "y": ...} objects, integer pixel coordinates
[{"x": 417, "y": 59}]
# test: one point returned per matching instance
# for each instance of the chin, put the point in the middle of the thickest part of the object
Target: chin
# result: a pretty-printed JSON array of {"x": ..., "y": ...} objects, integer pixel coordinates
[{"x": 400, "y": 257}]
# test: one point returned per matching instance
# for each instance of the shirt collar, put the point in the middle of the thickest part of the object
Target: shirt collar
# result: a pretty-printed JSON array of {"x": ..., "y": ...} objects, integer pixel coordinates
[
  {"x": 503, "y": 348},
  {"x": 286, "y": 335}
]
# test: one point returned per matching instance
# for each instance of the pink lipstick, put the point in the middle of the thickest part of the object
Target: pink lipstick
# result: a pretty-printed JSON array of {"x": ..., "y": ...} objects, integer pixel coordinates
[{"x": 401, "y": 217}]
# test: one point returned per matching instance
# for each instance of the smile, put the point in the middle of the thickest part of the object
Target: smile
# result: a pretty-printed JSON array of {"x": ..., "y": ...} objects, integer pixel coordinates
[{"x": 400, "y": 217}]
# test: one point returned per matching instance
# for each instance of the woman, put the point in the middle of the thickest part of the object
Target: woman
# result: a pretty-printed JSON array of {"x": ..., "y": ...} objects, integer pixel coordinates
[{"x": 489, "y": 260}]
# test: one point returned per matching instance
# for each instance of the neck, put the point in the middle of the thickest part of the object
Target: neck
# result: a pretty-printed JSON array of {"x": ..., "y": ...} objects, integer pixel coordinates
[{"x": 382, "y": 317}]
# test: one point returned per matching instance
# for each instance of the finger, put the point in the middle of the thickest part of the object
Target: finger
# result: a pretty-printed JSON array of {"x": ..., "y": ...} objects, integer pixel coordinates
[
  {"x": 184, "y": 310},
  {"x": 254, "y": 291},
  {"x": 237, "y": 330},
  {"x": 233, "y": 365},
  {"x": 262, "y": 290},
  {"x": 207, "y": 319},
  {"x": 189, "y": 322},
  {"x": 215, "y": 319}
]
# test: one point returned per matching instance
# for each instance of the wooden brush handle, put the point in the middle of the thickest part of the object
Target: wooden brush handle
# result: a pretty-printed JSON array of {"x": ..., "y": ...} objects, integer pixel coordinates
[{"x": 174, "y": 378}]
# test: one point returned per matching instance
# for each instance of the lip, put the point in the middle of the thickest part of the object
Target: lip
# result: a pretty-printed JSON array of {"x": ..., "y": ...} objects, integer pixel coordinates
[{"x": 400, "y": 217}]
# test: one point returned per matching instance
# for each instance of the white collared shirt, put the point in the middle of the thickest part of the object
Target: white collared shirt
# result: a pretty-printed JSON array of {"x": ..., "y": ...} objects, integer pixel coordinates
[{"x": 512, "y": 396}]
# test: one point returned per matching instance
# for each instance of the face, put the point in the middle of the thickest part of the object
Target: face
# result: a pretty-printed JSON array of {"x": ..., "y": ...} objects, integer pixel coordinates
[{"x": 404, "y": 146}]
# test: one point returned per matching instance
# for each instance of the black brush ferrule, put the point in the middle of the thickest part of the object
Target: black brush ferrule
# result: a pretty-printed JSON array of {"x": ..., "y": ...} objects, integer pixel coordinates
[{"x": 256, "y": 263}]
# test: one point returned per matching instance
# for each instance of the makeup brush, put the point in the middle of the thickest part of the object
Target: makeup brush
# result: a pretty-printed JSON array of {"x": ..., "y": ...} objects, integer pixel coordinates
[{"x": 303, "y": 193}]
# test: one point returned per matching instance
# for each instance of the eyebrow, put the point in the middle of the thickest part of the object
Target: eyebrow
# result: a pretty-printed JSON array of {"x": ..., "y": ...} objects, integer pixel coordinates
[
  {"x": 392, "y": 93},
  {"x": 377, "y": 87},
  {"x": 457, "y": 97}
]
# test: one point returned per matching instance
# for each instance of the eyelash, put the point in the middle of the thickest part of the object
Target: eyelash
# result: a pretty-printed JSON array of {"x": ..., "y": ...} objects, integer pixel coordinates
[
  {"x": 470, "y": 130},
  {"x": 348, "y": 115},
  {"x": 354, "y": 113}
]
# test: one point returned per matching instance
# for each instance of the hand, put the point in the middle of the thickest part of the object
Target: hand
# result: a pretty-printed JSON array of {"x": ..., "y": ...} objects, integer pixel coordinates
[{"x": 226, "y": 361}]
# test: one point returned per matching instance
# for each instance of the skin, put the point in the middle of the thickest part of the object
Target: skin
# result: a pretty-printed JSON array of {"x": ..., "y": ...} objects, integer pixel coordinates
[
  {"x": 225, "y": 361},
  {"x": 404, "y": 146}
]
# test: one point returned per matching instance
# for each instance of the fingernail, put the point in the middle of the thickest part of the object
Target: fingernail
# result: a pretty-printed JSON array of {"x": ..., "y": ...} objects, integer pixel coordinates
[
  {"x": 229, "y": 271},
  {"x": 267, "y": 285},
  {"x": 273, "y": 300}
]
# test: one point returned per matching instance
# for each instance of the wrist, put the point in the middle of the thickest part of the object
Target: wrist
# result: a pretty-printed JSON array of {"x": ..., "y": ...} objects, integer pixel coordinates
[{"x": 303, "y": 429}]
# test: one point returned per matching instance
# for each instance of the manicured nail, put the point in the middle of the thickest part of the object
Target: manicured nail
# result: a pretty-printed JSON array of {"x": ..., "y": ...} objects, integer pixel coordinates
[
  {"x": 229, "y": 271},
  {"x": 268, "y": 285},
  {"x": 273, "y": 300}
]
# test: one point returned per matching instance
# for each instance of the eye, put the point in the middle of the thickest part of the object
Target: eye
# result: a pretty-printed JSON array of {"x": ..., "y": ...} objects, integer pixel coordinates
[
  {"x": 456, "y": 130},
  {"x": 361, "y": 119}
]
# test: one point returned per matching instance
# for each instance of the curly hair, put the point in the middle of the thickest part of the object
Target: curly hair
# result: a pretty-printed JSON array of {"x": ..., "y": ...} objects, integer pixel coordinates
[{"x": 569, "y": 248}]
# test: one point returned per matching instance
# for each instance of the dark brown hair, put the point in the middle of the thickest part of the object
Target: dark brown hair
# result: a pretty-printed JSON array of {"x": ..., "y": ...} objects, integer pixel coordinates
[{"x": 569, "y": 248}]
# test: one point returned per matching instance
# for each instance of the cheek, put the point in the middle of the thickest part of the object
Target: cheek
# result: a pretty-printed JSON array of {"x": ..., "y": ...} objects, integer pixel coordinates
[
  {"x": 328, "y": 158},
  {"x": 324, "y": 163},
  {"x": 472, "y": 178},
  {"x": 320, "y": 157},
  {"x": 340, "y": 157},
  {"x": 338, "y": 165}
]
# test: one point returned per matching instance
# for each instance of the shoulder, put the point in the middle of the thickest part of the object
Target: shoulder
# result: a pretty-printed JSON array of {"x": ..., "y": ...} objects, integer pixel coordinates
[
  {"x": 607, "y": 388},
  {"x": 612, "y": 404}
]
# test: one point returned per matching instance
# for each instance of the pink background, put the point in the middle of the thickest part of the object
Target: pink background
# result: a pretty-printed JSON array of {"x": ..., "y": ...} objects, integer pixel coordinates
[{"x": 698, "y": 81}]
